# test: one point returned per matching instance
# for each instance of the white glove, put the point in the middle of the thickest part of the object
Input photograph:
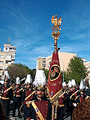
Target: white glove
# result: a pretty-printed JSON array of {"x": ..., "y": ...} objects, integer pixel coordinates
[
  {"x": 11, "y": 102},
  {"x": 74, "y": 104}
]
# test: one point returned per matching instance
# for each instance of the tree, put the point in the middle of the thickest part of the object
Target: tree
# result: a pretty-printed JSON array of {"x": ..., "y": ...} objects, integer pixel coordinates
[
  {"x": 65, "y": 76},
  {"x": 46, "y": 72},
  {"x": 76, "y": 70},
  {"x": 18, "y": 70},
  {"x": 28, "y": 70}
]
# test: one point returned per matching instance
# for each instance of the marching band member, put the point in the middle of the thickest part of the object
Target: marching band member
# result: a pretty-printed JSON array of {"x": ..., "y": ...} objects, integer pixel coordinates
[
  {"x": 40, "y": 108},
  {"x": 6, "y": 95},
  {"x": 2, "y": 111},
  {"x": 82, "y": 95},
  {"x": 27, "y": 94},
  {"x": 17, "y": 92}
]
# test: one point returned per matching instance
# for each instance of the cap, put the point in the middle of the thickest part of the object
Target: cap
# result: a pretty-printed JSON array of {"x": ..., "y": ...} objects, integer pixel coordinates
[
  {"x": 69, "y": 84},
  {"x": 73, "y": 82},
  {"x": 28, "y": 79},
  {"x": 64, "y": 84},
  {"x": 17, "y": 80},
  {"x": 82, "y": 85}
]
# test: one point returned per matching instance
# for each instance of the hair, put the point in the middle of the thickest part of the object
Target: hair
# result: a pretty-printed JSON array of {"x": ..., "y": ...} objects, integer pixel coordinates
[{"x": 82, "y": 111}]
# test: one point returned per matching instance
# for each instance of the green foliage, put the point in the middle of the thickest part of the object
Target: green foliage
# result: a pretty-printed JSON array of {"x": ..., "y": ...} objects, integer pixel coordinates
[
  {"x": 65, "y": 77},
  {"x": 18, "y": 70},
  {"x": 76, "y": 70},
  {"x": 28, "y": 70},
  {"x": 46, "y": 72}
]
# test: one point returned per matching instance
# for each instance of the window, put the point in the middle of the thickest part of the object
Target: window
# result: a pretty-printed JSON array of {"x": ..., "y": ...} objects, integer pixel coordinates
[
  {"x": 44, "y": 61},
  {"x": 8, "y": 56},
  {"x": 44, "y": 65},
  {"x": 13, "y": 54},
  {"x": 13, "y": 59},
  {"x": 1, "y": 56},
  {"x": 8, "y": 61},
  {"x": 12, "y": 48},
  {"x": 1, "y": 68}
]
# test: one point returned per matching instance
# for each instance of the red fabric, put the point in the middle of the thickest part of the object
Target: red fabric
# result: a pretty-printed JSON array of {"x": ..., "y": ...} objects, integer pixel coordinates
[
  {"x": 43, "y": 107},
  {"x": 28, "y": 118},
  {"x": 54, "y": 83},
  {"x": 81, "y": 99},
  {"x": 5, "y": 94},
  {"x": 18, "y": 93},
  {"x": 27, "y": 94},
  {"x": 60, "y": 100}
]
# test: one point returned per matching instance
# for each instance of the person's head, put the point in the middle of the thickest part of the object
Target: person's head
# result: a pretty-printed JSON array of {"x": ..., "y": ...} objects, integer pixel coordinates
[
  {"x": 73, "y": 87},
  {"x": 82, "y": 91},
  {"x": 25, "y": 86},
  {"x": 31, "y": 86},
  {"x": 28, "y": 86},
  {"x": 17, "y": 85},
  {"x": 13, "y": 85},
  {"x": 40, "y": 92},
  {"x": 6, "y": 82}
]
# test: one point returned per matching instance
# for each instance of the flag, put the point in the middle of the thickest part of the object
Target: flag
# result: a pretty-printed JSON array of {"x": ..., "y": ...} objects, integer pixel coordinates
[{"x": 54, "y": 84}]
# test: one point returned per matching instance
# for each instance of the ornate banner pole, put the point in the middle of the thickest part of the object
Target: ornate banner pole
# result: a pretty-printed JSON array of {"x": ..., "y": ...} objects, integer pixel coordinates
[
  {"x": 54, "y": 84},
  {"x": 56, "y": 33}
]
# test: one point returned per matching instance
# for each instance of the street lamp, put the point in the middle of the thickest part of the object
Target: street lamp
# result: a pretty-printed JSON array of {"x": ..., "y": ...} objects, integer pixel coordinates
[{"x": 63, "y": 69}]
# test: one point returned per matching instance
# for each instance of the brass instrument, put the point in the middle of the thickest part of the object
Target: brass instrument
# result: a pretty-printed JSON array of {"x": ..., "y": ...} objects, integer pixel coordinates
[
  {"x": 74, "y": 94},
  {"x": 63, "y": 93}
]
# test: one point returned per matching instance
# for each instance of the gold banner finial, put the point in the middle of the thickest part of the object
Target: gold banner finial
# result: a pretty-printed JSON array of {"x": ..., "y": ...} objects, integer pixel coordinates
[{"x": 56, "y": 27}]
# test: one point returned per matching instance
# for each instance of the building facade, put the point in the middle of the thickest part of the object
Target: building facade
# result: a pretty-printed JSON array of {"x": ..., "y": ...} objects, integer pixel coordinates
[
  {"x": 64, "y": 58},
  {"x": 41, "y": 63},
  {"x": 87, "y": 65},
  {"x": 7, "y": 57}
]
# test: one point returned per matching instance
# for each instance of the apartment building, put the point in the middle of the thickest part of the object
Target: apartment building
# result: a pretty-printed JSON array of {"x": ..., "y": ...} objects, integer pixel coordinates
[
  {"x": 7, "y": 57},
  {"x": 87, "y": 65},
  {"x": 64, "y": 58},
  {"x": 41, "y": 63}
]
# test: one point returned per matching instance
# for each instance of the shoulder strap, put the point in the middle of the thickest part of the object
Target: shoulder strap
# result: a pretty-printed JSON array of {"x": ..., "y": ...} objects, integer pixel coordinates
[
  {"x": 29, "y": 95},
  {"x": 7, "y": 89},
  {"x": 37, "y": 111}
]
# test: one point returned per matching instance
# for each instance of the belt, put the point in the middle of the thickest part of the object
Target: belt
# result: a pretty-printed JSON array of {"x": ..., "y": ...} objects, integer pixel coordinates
[
  {"x": 4, "y": 98},
  {"x": 18, "y": 95},
  {"x": 62, "y": 105}
]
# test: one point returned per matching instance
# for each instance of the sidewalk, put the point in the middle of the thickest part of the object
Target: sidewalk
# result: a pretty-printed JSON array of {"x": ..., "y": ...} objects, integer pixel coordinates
[{"x": 16, "y": 118}]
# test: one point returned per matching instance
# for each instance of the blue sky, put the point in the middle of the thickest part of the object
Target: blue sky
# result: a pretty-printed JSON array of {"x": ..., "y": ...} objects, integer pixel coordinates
[{"x": 28, "y": 25}]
